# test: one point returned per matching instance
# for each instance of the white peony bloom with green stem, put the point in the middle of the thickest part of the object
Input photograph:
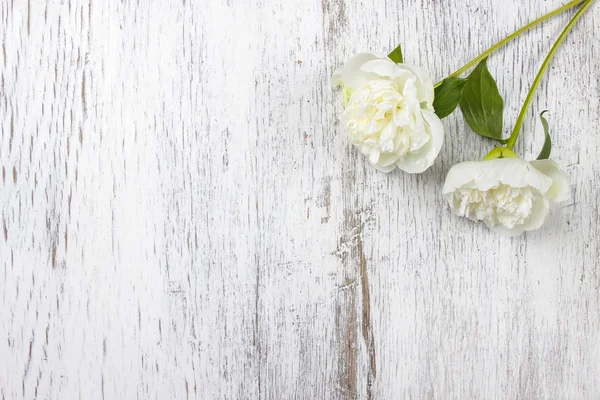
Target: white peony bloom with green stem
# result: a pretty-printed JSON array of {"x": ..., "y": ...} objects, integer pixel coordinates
[
  {"x": 389, "y": 113},
  {"x": 393, "y": 110},
  {"x": 508, "y": 194}
]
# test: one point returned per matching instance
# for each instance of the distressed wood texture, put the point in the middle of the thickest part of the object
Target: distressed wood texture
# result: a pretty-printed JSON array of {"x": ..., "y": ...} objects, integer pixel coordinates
[{"x": 182, "y": 215}]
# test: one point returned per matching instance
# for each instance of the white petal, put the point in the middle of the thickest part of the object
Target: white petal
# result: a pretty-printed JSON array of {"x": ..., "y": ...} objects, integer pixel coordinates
[
  {"x": 387, "y": 159},
  {"x": 414, "y": 164},
  {"x": 435, "y": 128},
  {"x": 420, "y": 160},
  {"x": 560, "y": 189},
  {"x": 460, "y": 175},
  {"x": 539, "y": 212},
  {"x": 484, "y": 175},
  {"x": 452, "y": 203},
  {"x": 425, "y": 88},
  {"x": 386, "y": 168},
  {"x": 374, "y": 157},
  {"x": 351, "y": 75},
  {"x": 386, "y": 68}
]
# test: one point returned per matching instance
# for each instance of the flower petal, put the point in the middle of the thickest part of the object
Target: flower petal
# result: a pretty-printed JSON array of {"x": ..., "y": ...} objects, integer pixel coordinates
[
  {"x": 539, "y": 211},
  {"x": 420, "y": 160},
  {"x": 560, "y": 189},
  {"x": 425, "y": 88},
  {"x": 386, "y": 68},
  {"x": 387, "y": 160},
  {"x": 385, "y": 168},
  {"x": 435, "y": 129},
  {"x": 485, "y": 175},
  {"x": 351, "y": 75}
]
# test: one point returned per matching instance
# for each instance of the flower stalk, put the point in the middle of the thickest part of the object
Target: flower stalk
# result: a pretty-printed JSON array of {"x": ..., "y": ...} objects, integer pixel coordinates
[
  {"x": 510, "y": 37},
  {"x": 521, "y": 119}
]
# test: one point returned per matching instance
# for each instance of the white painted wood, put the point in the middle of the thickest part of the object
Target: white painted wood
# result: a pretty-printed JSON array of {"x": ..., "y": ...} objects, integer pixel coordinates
[{"x": 182, "y": 216}]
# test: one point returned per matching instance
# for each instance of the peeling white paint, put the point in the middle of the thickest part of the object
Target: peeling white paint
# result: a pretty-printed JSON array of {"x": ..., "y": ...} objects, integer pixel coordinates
[{"x": 182, "y": 216}]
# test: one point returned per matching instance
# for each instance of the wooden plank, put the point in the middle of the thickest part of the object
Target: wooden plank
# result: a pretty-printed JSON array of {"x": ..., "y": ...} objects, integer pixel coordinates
[{"x": 183, "y": 216}]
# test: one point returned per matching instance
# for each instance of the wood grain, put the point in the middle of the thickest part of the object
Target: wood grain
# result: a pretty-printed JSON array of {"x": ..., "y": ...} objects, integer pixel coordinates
[{"x": 183, "y": 217}]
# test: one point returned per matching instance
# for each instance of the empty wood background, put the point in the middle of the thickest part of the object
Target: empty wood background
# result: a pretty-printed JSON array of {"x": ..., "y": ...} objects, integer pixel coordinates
[{"x": 182, "y": 215}]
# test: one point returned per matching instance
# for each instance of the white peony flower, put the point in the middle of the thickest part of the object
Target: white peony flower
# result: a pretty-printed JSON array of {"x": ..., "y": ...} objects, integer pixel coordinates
[
  {"x": 509, "y": 194},
  {"x": 389, "y": 112}
]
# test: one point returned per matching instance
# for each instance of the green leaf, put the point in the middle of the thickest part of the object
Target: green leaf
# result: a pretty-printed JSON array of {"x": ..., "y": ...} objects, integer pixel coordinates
[
  {"x": 448, "y": 95},
  {"x": 545, "y": 153},
  {"x": 482, "y": 104},
  {"x": 396, "y": 55}
]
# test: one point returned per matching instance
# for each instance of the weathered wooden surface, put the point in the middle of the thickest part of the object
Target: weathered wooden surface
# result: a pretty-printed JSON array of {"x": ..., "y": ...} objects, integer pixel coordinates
[{"x": 182, "y": 216}]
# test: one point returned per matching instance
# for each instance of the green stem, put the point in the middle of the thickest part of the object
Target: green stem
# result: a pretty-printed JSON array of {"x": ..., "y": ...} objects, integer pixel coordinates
[
  {"x": 509, "y": 38},
  {"x": 515, "y": 134}
]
